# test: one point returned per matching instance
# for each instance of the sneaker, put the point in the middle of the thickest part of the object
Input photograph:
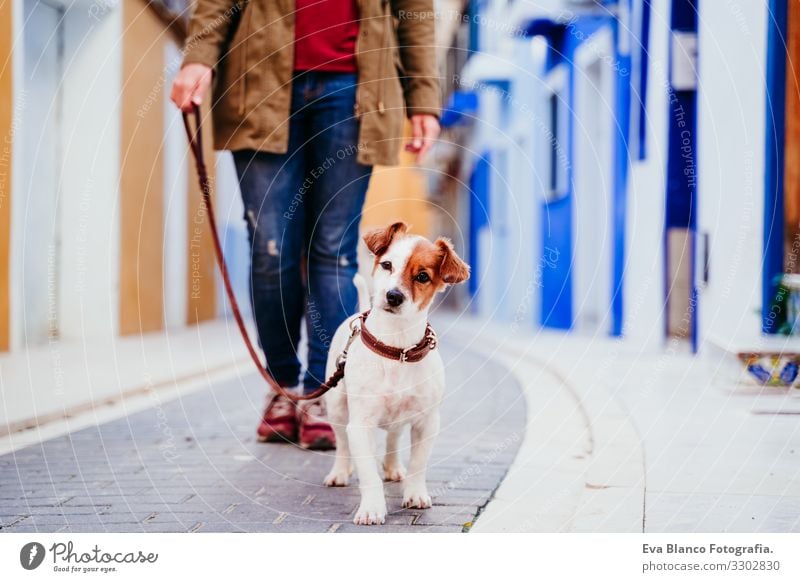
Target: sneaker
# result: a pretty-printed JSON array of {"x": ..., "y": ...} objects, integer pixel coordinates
[
  {"x": 279, "y": 423},
  {"x": 315, "y": 431}
]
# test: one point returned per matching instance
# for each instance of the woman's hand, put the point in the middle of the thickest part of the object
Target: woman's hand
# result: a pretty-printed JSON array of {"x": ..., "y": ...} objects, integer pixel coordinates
[
  {"x": 190, "y": 85},
  {"x": 424, "y": 131}
]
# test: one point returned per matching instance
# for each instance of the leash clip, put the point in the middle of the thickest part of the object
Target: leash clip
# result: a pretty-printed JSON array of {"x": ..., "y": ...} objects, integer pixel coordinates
[
  {"x": 355, "y": 329},
  {"x": 404, "y": 355},
  {"x": 433, "y": 341}
]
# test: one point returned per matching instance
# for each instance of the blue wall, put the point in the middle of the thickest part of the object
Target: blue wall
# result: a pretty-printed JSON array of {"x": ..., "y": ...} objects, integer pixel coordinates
[
  {"x": 774, "y": 160},
  {"x": 681, "y": 189},
  {"x": 622, "y": 162},
  {"x": 557, "y": 216},
  {"x": 478, "y": 214}
]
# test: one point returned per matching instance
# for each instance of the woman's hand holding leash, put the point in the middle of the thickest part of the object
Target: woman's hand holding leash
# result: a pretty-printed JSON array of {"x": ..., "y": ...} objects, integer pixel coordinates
[{"x": 190, "y": 85}]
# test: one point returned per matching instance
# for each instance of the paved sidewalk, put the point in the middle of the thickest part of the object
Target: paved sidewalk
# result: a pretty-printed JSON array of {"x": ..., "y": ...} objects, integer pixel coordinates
[
  {"x": 623, "y": 438},
  {"x": 193, "y": 465},
  {"x": 62, "y": 378}
]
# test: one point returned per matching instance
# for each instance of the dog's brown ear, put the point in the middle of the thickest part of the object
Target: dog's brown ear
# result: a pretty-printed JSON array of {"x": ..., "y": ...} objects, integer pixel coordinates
[
  {"x": 452, "y": 269},
  {"x": 379, "y": 239}
]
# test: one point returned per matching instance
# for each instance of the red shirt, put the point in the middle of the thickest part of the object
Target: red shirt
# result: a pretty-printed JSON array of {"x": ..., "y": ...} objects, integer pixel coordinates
[{"x": 325, "y": 35}]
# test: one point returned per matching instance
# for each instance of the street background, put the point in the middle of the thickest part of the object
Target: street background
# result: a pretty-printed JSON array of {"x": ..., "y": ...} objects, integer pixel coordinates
[{"x": 622, "y": 176}]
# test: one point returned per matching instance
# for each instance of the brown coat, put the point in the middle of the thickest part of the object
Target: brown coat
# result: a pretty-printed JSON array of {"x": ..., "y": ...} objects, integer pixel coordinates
[{"x": 250, "y": 45}]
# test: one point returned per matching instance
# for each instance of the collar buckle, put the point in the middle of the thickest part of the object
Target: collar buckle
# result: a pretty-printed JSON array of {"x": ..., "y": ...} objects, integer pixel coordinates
[{"x": 404, "y": 355}]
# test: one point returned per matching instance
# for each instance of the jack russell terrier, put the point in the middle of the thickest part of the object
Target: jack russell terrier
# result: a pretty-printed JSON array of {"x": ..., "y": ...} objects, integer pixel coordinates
[{"x": 395, "y": 375}]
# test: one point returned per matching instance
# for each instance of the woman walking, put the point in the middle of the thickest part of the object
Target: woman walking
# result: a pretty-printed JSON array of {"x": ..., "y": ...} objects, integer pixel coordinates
[{"x": 309, "y": 95}]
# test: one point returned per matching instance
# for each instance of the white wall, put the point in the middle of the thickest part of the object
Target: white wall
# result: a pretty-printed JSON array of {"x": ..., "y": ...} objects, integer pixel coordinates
[
  {"x": 732, "y": 41},
  {"x": 35, "y": 205},
  {"x": 90, "y": 174},
  {"x": 488, "y": 125},
  {"x": 593, "y": 138},
  {"x": 64, "y": 239},
  {"x": 525, "y": 189},
  {"x": 233, "y": 233},
  {"x": 643, "y": 321},
  {"x": 505, "y": 127},
  {"x": 177, "y": 162}
]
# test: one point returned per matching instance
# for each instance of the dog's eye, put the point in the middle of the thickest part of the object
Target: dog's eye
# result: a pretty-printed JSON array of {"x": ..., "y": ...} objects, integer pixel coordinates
[
  {"x": 423, "y": 277},
  {"x": 386, "y": 265}
]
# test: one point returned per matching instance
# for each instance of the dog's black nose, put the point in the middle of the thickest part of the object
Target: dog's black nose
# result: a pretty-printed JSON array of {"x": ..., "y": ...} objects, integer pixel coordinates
[{"x": 394, "y": 298}]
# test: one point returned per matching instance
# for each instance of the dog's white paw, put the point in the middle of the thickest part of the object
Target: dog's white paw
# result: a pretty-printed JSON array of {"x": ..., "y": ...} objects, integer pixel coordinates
[
  {"x": 394, "y": 473},
  {"x": 370, "y": 514},
  {"x": 417, "y": 498},
  {"x": 337, "y": 478}
]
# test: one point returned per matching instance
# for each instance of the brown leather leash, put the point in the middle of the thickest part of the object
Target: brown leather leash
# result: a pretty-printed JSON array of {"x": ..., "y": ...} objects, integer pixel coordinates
[
  {"x": 196, "y": 145},
  {"x": 410, "y": 354}
]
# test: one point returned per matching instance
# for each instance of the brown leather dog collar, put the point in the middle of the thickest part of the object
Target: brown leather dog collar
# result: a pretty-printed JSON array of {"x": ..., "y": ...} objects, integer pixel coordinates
[{"x": 413, "y": 353}]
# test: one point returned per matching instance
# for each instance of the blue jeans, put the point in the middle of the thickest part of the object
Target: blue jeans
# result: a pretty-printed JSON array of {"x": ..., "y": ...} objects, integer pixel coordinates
[{"x": 303, "y": 210}]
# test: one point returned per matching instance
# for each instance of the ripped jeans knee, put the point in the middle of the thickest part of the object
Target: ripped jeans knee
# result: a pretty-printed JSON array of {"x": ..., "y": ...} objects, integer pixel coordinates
[{"x": 269, "y": 259}]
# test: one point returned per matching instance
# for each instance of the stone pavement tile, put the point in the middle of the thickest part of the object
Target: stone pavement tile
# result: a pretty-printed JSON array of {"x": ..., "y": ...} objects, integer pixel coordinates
[
  {"x": 212, "y": 527},
  {"x": 294, "y": 526},
  {"x": 46, "y": 521},
  {"x": 135, "y": 528},
  {"x": 121, "y": 528},
  {"x": 161, "y": 498},
  {"x": 280, "y": 522},
  {"x": 32, "y": 502},
  {"x": 340, "y": 509},
  {"x": 476, "y": 498},
  {"x": 11, "y": 523},
  {"x": 30, "y": 529},
  {"x": 69, "y": 510},
  {"x": 352, "y": 528},
  {"x": 193, "y": 465},
  {"x": 696, "y": 512},
  {"x": 446, "y": 515},
  {"x": 186, "y": 520},
  {"x": 474, "y": 483}
]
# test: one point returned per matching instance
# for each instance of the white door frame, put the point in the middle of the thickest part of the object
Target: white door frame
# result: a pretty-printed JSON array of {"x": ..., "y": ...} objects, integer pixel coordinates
[
  {"x": 593, "y": 184},
  {"x": 35, "y": 221}
]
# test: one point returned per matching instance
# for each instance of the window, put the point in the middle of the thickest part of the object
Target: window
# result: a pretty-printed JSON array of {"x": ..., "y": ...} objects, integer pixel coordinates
[{"x": 555, "y": 133}]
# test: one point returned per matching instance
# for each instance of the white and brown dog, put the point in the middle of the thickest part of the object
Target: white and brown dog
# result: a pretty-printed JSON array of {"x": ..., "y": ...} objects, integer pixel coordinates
[{"x": 387, "y": 392}]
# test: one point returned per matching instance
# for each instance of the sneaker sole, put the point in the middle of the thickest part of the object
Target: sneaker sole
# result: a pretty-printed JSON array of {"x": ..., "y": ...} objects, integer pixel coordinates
[
  {"x": 275, "y": 437},
  {"x": 319, "y": 444}
]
